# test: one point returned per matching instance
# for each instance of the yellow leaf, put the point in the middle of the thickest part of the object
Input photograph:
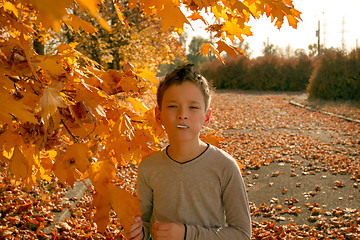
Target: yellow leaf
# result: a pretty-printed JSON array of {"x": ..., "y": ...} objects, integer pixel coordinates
[
  {"x": 102, "y": 205},
  {"x": 128, "y": 84},
  {"x": 44, "y": 174},
  {"x": 196, "y": 16},
  {"x": 233, "y": 27},
  {"x": 51, "y": 12},
  {"x": 125, "y": 126},
  {"x": 121, "y": 148},
  {"x": 118, "y": 8},
  {"x": 11, "y": 107},
  {"x": 8, "y": 154},
  {"x": 52, "y": 65},
  {"x": 78, "y": 154},
  {"x": 232, "y": 51},
  {"x": 138, "y": 105},
  {"x": 75, "y": 22},
  {"x": 19, "y": 165},
  {"x": 205, "y": 48},
  {"x": 93, "y": 7},
  {"x": 49, "y": 102},
  {"x": 148, "y": 75},
  {"x": 64, "y": 172},
  {"x": 9, "y": 6},
  {"x": 171, "y": 16},
  {"x": 125, "y": 205},
  {"x": 292, "y": 18},
  {"x": 212, "y": 139}
]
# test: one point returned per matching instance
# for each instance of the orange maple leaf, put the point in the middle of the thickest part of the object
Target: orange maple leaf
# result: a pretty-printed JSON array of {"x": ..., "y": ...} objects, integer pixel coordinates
[
  {"x": 64, "y": 171},
  {"x": 196, "y": 16},
  {"x": 19, "y": 165},
  {"x": 9, "y": 6},
  {"x": 49, "y": 103},
  {"x": 75, "y": 23},
  {"x": 212, "y": 139},
  {"x": 51, "y": 12},
  {"x": 102, "y": 204},
  {"x": 10, "y": 107},
  {"x": 137, "y": 104},
  {"x": 205, "y": 48},
  {"x": 125, "y": 205},
  {"x": 172, "y": 16},
  {"x": 236, "y": 28},
  {"x": 51, "y": 64},
  {"x": 93, "y": 7},
  {"x": 77, "y": 154},
  {"x": 231, "y": 50}
]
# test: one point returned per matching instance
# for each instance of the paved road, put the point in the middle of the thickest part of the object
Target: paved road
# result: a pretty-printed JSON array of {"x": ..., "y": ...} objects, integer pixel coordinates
[{"x": 301, "y": 166}]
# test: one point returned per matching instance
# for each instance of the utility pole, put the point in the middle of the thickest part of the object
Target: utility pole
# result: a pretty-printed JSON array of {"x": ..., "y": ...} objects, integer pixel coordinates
[
  {"x": 318, "y": 36},
  {"x": 343, "y": 34},
  {"x": 324, "y": 31}
]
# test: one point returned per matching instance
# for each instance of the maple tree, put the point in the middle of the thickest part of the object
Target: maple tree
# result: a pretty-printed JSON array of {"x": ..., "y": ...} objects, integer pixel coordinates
[
  {"x": 62, "y": 116},
  {"x": 139, "y": 41}
]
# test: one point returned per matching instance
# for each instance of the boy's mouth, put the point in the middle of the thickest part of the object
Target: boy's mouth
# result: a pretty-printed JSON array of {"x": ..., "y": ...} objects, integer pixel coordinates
[{"x": 182, "y": 126}]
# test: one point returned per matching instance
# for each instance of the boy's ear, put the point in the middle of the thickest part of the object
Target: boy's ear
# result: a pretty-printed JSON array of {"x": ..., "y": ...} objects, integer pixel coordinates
[{"x": 207, "y": 117}]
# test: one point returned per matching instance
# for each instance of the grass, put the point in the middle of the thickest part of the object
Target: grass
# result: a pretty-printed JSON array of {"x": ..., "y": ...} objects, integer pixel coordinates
[{"x": 346, "y": 108}]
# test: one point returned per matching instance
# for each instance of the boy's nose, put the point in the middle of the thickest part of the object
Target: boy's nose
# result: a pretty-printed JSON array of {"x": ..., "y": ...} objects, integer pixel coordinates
[
  {"x": 182, "y": 117},
  {"x": 182, "y": 114}
]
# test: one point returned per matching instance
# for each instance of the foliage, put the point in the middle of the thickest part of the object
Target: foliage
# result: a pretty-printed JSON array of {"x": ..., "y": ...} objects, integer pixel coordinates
[
  {"x": 230, "y": 75},
  {"x": 140, "y": 41},
  {"x": 336, "y": 76},
  {"x": 265, "y": 73},
  {"x": 61, "y": 115},
  {"x": 261, "y": 130},
  {"x": 193, "y": 56},
  {"x": 269, "y": 49}
]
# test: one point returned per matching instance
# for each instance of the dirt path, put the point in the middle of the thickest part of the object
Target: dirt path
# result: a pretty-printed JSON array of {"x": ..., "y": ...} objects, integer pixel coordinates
[{"x": 302, "y": 166}]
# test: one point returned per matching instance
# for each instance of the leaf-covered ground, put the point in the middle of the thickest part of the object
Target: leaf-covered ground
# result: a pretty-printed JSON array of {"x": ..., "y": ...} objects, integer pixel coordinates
[
  {"x": 302, "y": 172},
  {"x": 302, "y": 167}
]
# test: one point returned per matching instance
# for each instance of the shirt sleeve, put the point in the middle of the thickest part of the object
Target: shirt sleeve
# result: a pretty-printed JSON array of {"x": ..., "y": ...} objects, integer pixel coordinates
[
  {"x": 144, "y": 193},
  {"x": 237, "y": 212}
]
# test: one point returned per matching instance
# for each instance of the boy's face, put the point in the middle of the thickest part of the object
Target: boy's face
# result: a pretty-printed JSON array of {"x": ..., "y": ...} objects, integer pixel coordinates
[{"x": 183, "y": 112}]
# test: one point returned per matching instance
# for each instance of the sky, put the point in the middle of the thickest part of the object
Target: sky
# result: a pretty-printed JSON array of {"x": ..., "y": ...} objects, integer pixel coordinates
[{"x": 339, "y": 25}]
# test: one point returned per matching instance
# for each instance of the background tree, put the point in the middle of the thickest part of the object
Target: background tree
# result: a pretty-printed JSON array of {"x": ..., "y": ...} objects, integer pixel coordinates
[
  {"x": 193, "y": 55},
  {"x": 61, "y": 116},
  {"x": 313, "y": 49},
  {"x": 269, "y": 49},
  {"x": 140, "y": 41}
]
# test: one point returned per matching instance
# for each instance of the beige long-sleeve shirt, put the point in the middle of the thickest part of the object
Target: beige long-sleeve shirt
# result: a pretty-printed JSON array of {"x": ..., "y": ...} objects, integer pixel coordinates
[{"x": 207, "y": 194}]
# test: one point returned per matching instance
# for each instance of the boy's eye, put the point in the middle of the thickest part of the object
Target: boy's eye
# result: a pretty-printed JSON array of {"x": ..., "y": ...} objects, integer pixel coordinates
[
  {"x": 172, "y": 106},
  {"x": 193, "y": 107}
]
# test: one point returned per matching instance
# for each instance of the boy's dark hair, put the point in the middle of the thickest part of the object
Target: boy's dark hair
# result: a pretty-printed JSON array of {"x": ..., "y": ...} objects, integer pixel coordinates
[{"x": 182, "y": 74}]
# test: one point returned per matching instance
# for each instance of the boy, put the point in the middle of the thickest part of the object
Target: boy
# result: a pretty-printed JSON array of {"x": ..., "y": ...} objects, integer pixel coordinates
[{"x": 190, "y": 189}]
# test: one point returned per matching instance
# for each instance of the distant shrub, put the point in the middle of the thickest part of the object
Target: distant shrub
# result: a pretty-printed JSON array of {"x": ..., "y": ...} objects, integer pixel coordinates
[
  {"x": 303, "y": 68},
  {"x": 336, "y": 76},
  {"x": 230, "y": 75},
  {"x": 265, "y": 73}
]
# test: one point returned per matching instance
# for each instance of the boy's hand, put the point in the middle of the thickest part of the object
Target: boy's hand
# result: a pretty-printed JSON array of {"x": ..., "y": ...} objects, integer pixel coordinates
[
  {"x": 168, "y": 231},
  {"x": 136, "y": 232}
]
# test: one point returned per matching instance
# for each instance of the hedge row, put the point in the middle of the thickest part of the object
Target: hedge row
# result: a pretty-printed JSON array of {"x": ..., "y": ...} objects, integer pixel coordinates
[
  {"x": 266, "y": 73},
  {"x": 334, "y": 75}
]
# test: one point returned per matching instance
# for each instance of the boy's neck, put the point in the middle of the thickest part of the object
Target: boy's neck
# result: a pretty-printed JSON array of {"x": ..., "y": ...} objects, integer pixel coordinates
[{"x": 186, "y": 151}]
